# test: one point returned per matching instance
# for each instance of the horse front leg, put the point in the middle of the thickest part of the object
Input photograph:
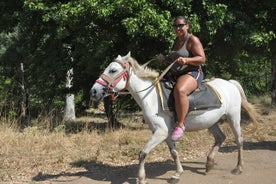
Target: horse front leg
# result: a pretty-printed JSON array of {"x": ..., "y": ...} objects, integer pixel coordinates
[
  {"x": 179, "y": 169},
  {"x": 157, "y": 137},
  {"x": 141, "y": 171}
]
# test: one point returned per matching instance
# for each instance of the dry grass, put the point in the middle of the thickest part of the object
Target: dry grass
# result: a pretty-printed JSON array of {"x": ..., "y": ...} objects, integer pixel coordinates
[
  {"x": 23, "y": 155},
  {"x": 32, "y": 151}
]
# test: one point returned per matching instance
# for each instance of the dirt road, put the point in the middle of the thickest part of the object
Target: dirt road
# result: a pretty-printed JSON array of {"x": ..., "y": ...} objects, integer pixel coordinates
[{"x": 259, "y": 167}]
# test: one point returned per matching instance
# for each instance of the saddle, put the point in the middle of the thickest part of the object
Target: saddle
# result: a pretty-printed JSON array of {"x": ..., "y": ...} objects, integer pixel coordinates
[{"x": 204, "y": 98}]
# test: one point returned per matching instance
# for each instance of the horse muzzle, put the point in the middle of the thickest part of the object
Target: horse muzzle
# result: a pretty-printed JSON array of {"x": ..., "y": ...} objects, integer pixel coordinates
[{"x": 98, "y": 92}]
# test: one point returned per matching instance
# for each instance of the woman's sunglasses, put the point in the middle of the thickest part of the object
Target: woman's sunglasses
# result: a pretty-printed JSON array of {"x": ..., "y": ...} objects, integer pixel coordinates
[{"x": 178, "y": 25}]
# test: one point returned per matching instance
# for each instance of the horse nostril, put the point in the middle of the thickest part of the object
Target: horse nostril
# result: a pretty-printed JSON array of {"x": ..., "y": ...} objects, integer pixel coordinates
[
  {"x": 105, "y": 89},
  {"x": 93, "y": 92}
]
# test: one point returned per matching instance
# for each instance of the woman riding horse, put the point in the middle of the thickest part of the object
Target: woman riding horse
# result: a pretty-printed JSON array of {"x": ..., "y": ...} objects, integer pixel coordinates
[{"x": 187, "y": 50}]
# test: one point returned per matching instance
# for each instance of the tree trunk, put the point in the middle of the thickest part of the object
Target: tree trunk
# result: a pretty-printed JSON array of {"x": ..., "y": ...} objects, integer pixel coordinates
[
  {"x": 273, "y": 73},
  {"x": 23, "y": 117},
  {"x": 109, "y": 107},
  {"x": 69, "y": 108},
  {"x": 273, "y": 94},
  {"x": 70, "y": 104}
]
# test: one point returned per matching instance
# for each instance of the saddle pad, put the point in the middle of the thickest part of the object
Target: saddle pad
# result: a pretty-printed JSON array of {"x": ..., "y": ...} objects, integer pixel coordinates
[{"x": 204, "y": 98}]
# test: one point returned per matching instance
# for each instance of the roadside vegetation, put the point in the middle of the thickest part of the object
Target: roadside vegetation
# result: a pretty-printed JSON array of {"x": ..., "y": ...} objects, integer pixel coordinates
[{"x": 37, "y": 152}]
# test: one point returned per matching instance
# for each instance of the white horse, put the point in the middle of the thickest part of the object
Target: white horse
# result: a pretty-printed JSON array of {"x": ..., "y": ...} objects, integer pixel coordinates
[{"x": 125, "y": 73}]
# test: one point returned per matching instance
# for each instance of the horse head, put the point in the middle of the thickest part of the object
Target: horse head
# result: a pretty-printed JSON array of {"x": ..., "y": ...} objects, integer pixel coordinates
[{"x": 113, "y": 79}]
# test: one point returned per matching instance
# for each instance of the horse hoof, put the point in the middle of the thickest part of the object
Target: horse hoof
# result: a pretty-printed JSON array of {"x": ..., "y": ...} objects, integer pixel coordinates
[
  {"x": 236, "y": 171},
  {"x": 210, "y": 165},
  {"x": 143, "y": 182},
  {"x": 208, "y": 169},
  {"x": 173, "y": 180}
]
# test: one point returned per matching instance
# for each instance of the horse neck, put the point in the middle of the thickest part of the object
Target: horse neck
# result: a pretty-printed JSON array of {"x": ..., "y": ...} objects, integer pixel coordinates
[{"x": 137, "y": 86}]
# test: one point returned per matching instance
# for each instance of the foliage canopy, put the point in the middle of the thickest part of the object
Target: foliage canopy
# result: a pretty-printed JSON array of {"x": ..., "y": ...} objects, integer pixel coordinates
[{"x": 237, "y": 36}]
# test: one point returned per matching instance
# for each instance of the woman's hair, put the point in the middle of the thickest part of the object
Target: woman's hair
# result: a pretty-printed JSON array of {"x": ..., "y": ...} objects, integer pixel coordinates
[{"x": 185, "y": 20}]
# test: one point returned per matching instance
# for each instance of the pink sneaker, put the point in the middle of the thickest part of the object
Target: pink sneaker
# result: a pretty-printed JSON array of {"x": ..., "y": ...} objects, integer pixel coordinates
[{"x": 178, "y": 132}]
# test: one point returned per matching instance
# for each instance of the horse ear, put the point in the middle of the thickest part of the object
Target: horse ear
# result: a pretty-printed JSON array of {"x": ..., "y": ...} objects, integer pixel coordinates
[
  {"x": 128, "y": 54},
  {"x": 126, "y": 58},
  {"x": 119, "y": 57}
]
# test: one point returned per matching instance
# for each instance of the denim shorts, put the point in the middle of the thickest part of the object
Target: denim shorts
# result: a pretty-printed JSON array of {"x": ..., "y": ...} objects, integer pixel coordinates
[{"x": 198, "y": 75}]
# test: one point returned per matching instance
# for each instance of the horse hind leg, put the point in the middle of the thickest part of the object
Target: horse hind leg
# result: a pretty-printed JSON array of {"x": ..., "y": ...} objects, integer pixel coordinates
[
  {"x": 235, "y": 126},
  {"x": 219, "y": 139}
]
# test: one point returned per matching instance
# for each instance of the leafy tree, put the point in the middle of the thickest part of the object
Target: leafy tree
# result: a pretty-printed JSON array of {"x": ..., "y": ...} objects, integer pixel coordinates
[
  {"x": 237, "y": 37},
  {"x": 239, "y": 40}
]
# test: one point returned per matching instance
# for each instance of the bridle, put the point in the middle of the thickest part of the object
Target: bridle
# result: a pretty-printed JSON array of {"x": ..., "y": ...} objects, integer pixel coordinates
[{"x": 109, "y": 83}]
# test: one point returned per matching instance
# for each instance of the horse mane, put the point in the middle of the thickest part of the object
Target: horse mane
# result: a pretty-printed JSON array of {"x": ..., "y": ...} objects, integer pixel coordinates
[{"x": 141, "y": 71}]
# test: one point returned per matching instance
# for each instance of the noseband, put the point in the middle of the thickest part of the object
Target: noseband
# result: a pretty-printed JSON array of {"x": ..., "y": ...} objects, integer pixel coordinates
[{"x": 109, "y": 83}]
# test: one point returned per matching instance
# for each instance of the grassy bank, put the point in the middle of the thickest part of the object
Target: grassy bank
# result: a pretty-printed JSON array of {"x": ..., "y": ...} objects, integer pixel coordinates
[{"x": 29, "y": 155}]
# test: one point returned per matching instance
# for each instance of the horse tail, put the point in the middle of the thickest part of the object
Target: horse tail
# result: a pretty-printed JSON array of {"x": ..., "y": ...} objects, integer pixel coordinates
[{"x": 246, "y": 105}]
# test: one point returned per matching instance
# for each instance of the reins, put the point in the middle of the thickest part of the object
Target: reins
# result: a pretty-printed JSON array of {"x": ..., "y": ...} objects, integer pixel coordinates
[
  {"x": 148, "y": 62},
  {"x": 160, "y": 76}
]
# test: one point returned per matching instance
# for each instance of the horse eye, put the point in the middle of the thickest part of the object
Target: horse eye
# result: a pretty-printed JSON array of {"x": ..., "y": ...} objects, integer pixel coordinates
[{"x": 113, "y": 70}]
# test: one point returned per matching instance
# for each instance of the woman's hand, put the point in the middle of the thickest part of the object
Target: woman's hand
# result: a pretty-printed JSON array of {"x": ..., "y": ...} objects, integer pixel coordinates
[{"x": 182, "y": 61}]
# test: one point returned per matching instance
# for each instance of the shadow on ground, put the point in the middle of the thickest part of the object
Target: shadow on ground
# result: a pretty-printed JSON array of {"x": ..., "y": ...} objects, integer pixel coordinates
[
  {"x": 262, "y": 145},
  {"x": 102, "y": 172},
  {"x": 119, "y": 174},
  {"x": 122, "y": 174}
]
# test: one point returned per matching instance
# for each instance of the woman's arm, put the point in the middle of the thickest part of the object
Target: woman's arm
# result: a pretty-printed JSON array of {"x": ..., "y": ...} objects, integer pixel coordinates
[{"x": 195, "y": 47}]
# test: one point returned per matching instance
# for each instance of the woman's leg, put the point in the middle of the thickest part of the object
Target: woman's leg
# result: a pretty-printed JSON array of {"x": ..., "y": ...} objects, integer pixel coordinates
[{"x": 184, "y": 86}]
